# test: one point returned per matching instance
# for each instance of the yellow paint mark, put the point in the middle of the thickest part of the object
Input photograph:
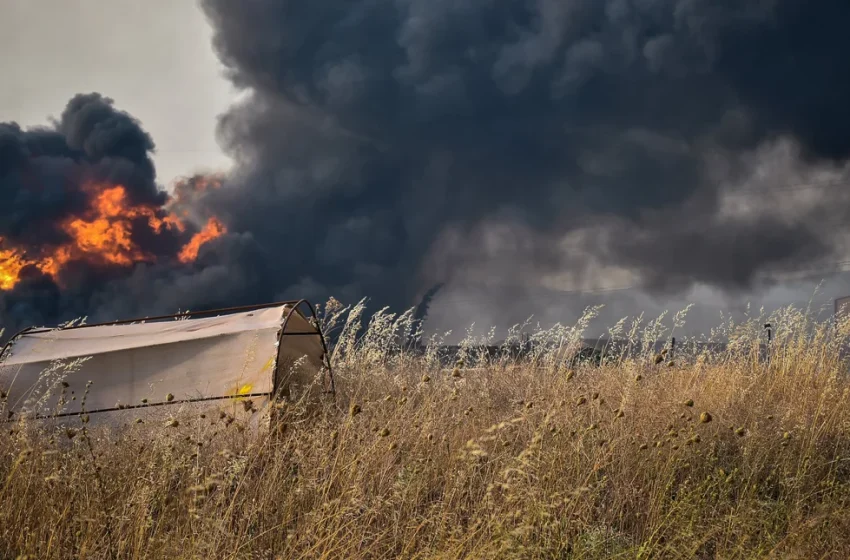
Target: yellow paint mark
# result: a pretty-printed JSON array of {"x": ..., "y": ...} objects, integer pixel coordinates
[{"x": 244, "y": 389}]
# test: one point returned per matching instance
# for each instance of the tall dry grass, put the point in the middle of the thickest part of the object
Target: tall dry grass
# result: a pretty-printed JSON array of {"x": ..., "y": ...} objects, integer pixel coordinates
[{"x": 709, "y": 455}]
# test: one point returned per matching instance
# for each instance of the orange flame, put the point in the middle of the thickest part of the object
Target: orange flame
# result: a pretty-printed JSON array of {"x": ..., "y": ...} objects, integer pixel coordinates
[
  {"x": 104, "y": 235},
  {"x": 212, "y": 230},
  {"x": 11, "y": 264}
]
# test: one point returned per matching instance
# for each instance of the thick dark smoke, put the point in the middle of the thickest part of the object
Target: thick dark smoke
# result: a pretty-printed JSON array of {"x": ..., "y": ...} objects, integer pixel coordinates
[
  {"x": 385, "y": 147},
  {"x": 372, "y": 127},
  {"x": 42, "y": 170},
  {"x": 50, "y": 176}
]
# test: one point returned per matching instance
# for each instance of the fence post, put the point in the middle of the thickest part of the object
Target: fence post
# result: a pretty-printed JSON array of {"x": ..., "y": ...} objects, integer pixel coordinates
[
  {"x": 769, "y": 330},
  {"x": 672, "y": 347}
]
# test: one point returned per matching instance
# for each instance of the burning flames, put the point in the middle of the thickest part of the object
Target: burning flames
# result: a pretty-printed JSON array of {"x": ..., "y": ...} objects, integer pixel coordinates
[
  {"x": 11, "y": 264},
  {"x": 213, "y": 229},
  {"x": 104, "y": 235}
]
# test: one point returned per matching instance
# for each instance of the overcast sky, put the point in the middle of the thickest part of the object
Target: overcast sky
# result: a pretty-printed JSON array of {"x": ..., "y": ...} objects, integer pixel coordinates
[{"x": 153, "y": 58}]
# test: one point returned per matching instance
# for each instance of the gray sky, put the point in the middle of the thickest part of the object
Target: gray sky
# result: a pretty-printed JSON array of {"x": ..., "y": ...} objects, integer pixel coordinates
[{"x": 153, "y": 58}]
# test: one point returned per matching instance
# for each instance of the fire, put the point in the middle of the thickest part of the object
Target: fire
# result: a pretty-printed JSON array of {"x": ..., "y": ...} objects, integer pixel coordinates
[
  {"x": 11, "y": 264},
  {"x": 212, "y": 230},
  {"x": 103, "y": 235}
]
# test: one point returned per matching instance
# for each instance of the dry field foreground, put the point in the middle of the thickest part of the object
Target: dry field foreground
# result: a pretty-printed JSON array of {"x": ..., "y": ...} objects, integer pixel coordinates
[{"x": 712, "y": 456}]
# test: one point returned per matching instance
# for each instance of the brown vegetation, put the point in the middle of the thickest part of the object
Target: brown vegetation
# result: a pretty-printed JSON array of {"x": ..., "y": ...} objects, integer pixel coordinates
[{"x": 716, "y": 456}]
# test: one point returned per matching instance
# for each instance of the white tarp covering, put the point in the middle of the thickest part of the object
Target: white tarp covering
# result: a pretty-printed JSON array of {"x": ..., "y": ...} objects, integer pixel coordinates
[{"x": 157, "y": 362}]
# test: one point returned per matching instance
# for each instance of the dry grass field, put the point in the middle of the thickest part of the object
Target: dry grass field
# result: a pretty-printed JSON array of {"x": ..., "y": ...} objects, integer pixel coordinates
[{"x": 707, "y": 455}]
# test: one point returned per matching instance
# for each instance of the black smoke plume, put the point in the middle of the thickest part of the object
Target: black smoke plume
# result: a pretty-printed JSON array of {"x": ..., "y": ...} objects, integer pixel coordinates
[
  {"x": 371, "y": 128},
  {"x": 53, "y": 176},
  {"x": 385, "y": 147}
]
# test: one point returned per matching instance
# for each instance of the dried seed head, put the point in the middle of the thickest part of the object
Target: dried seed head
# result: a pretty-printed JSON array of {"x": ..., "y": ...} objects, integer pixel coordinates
[
  {"x": 658, "y": 359},
  {"x": 594, "y": 396},
  {"x": 638, "y": 377},
  {"x": 426, "y": 378},
  {"x": 705, "y": 418},
  {"x": 173, "y": 423},
  {"x": 740, "y": 432},
  {"x": 456, "y": 373},
  {"x": 385, "y": 432},
  {"x": 689, "y": 402},
  {"x": 581, "y": 401},
  {"x": 354, "y": 410},
  {"x": 570, "y": 374},
  {"x": 169, "y": 397},
  {"x": 71, "y": 433},
  {"x": 529, "y": 404}
]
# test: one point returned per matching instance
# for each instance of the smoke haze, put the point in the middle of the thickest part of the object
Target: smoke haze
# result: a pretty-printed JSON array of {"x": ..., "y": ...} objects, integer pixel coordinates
[{"x": 502, "y": 148}]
